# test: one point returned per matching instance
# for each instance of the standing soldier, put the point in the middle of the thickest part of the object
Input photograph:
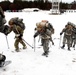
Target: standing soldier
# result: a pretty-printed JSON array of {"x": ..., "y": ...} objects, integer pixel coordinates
[
  {"x": 18, "y": 30},
  {"x": 48, "y": 26},
  {"x": 73, "y": 34},
  {"x": 68, "y": 31},
  {"x": 2, "y": 21},
  {"x": 45, "y": 36},
  {"x": 74, "y": 37}
]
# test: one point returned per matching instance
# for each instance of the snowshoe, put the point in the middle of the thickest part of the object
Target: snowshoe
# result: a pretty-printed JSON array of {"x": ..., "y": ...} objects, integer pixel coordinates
[
  {"x": 45, "y": 54},
  {"x": 5, "y": 63},
  {"x": 2, "y": 64}
]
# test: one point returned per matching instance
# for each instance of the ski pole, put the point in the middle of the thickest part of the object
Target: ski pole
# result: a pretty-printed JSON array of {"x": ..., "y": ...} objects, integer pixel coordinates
[
  {"x": 34, "y": 44},
  {"x": 30, "y": 45},
  {"x": 27, "y": 43},
  {"x": 34, "y": 40},
  {"x": 39, "y": 39},
  {"x": 7, "y": 42},
  {"x": 60, "y": 41}
]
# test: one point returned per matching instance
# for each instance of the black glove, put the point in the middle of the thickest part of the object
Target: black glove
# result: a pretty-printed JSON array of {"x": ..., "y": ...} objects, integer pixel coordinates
[
  {"x": 34, "y": 36},
  {"x": 5, "y": 31},
  {"x": 35, "y": 29},
  {"x": 61, "y": 33},
  {"x": 20, "y": 37}
]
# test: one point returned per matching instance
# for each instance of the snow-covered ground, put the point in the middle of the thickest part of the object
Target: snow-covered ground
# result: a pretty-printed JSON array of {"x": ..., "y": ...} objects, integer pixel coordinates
[{"x": 28, "y": 62}]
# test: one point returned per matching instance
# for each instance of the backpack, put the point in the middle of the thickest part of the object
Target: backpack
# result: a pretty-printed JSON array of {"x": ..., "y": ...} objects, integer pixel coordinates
[
  {"x": 69, "y": 30},
  {"x": 45, "y": 25},
  {"x": 50, "y": 27},
  {"x": 40, "y": 25},
  {"x": 18, "y": 22}
]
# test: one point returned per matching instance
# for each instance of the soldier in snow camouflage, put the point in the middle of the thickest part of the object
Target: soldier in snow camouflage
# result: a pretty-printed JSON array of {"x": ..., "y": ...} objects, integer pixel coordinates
[
  {"x": 67, "y": 39},
  {"x": 45, "y": 36},
  {"x": 48, "y": 26},
  {"x": 18, "y": 35}
]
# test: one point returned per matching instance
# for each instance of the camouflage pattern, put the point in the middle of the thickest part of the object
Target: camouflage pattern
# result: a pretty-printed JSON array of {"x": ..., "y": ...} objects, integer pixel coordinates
[
  {"x": 67, "y": 39},
  {"x": 45, "y": 36},
  {"x": 2, "y": 12},
  {"x": 18, "y": 32},
  {"x": 0, "y": 56},
  {"x": 2, "y": 16},
  {"x": 46, "y": 25},
  {"x": 74, "y": 37},
  {"x": 18, "y": 22},
  {"x": 50, "y": 27}
]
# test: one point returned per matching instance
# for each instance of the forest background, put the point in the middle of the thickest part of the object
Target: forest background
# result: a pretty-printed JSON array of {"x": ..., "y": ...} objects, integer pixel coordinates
[{"x": 47, "y": 5}]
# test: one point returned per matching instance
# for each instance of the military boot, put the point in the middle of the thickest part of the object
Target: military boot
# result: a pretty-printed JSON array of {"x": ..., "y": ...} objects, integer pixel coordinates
[
  {"x": 69, "y": 49},
  {"x": 2, "y": 63},
  {"x": 52, "y": 43},
  {"x": 17, "y": 49},
  {"x": 43, "y": 54},
  {"x": 24, "y": 47},
  {"x": 73, "y": 46},
  {"x": 63, "y": 46}
]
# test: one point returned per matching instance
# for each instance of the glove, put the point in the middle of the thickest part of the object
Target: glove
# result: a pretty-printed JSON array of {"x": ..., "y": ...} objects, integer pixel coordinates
[
  {"x": 6, "y": 33},
  {"x": 6, "y": 28},
  {"x": 60, "y": 33},
  {"x": 35, "y": 29},
  {"x": 34, "y": 36},
  {"x": 20, "y": 36}
]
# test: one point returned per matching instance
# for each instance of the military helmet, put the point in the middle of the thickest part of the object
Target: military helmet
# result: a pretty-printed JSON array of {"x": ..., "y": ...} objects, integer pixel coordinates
[
  {"x": 45, "y": 21},
  {"x": 68, "y": 23},
  {"x": 10, "y": 22}
]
